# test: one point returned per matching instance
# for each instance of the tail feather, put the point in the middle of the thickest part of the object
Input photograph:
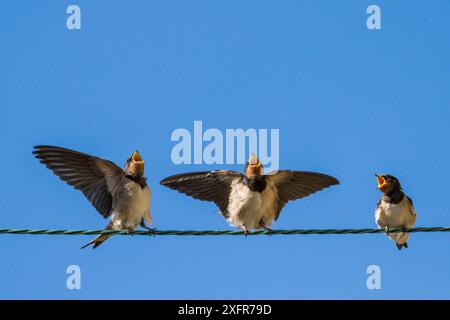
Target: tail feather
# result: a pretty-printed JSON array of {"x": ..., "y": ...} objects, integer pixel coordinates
[
  {"x": 402, "y": 245},
  {"x": 97, "y": 241},
  {"x": 100, "y": 239}
]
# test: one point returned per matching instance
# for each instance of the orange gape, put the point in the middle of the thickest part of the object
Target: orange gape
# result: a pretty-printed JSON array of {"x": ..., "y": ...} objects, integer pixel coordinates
[
  {"x": 382, "y": 183},
  {"x": 254, "y": 170}
]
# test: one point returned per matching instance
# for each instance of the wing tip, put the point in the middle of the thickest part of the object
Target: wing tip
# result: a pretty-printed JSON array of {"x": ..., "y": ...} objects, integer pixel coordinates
[
  {"x": 42, "y": 149},
  {"x": 165, "y": 182},
  {"x": 179, "y": 177},
  {"x": 37, "y": 149},
  {"x": 334, "y": 181},
  {"x": 44, "y": 146}
]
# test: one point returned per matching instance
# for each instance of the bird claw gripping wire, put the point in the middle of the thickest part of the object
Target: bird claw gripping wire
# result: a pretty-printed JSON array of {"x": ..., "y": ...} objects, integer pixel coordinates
[
  {"x": 387, "y": 230},
  {"x": 153, "y": 231}
]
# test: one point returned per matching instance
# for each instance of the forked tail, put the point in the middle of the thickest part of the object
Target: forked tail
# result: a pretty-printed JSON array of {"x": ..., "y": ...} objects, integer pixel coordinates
[{"x": 99, "y": 239}]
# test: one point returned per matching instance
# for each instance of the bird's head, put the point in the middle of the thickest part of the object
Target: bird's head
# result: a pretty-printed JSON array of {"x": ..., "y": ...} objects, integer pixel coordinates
[
  {"x": 134, "y": 165},
  {"x": 253, "y": 167},
  {"x": 388, "y": 183}
]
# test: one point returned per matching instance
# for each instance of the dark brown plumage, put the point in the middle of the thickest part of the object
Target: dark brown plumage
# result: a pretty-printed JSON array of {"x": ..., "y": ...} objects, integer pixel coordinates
[
  {"x": 83, "y": 172},
  {"x": 212, "y": 186}
]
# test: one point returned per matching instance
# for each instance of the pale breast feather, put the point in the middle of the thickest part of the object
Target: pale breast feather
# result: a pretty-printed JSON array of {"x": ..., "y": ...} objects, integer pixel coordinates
[
  {"x": 396, "y": 215},
  {"x": 131, "y": 203}
]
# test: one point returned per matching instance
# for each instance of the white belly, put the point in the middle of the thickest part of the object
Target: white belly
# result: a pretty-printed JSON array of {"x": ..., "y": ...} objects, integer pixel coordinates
[
  {"x": 397, "y": 215},
  {"x": 247, "y": 209},
  {"x": 133, "y": 204}
]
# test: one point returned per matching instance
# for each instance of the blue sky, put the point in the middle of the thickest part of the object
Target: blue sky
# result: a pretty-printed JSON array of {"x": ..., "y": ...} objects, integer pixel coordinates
[{"x": 348, "y": 101}]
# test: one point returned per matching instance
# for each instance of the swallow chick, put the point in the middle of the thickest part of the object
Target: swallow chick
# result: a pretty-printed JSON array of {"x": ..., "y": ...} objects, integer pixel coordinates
[
  {"x": 120, "y": 194},
  {"x": 394, "y": 210},
  {"x": 251, "y": 200}
]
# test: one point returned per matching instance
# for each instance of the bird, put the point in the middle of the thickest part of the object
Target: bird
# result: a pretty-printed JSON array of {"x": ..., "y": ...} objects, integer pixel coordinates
[
  {"x": 394, "y": 210},
  {"x": 121, "y": 194},
  {"x": 251, "y": 200}
]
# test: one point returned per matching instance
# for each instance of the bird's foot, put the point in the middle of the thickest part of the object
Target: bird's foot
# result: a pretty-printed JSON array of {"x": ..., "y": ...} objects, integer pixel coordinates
[
  {"x": 246, "y": 232},
  {"x": 152, "y": 230},
  {"x": 387, "y": 230},
  {"x": 264, "y": 226},
  {"x": 269, "y": 231}
]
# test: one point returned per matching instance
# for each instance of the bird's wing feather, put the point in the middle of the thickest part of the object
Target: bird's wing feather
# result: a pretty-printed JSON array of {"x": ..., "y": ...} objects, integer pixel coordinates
[
  {"x": 95, "y": 177},
  {"x": 212, "y": 186},
  {"x": 413, "y": 217},
  {"x": 411, "y": 206},
  {"x": 148, "y": 216},
  {"x": 293, "y": 185}
]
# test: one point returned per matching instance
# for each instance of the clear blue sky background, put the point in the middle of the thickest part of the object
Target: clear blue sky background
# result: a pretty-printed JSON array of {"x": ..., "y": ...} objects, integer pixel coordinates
[{"x": 348, "y": 102}]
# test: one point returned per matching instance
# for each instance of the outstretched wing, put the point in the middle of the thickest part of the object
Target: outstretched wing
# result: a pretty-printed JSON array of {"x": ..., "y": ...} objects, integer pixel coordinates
[
  {"x": 293, "y": 185},
  {"x": 93, "y": 176},
  {"x": 212, "y": 186}
]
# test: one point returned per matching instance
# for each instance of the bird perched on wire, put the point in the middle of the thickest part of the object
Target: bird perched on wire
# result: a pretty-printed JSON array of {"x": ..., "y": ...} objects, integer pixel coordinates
[
  {"x": 394, "y": 210},
  {"x": 251, "y": 200},
  {"x": 120, "y": 194}
]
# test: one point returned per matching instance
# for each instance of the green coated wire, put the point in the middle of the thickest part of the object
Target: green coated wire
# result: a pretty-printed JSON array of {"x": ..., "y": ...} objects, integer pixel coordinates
[{"x": 217, "y": 233}]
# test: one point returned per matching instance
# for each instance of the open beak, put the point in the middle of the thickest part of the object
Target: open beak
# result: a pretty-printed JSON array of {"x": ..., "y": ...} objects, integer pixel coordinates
[
  {"x": 381, "y": 181},
  {"x": 137, "y": 157},
  {"x": 253, "y": 161}
]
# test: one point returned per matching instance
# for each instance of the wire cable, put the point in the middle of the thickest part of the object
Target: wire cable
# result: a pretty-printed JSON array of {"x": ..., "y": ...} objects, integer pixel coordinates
[{"x": 217, "y": 232}]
